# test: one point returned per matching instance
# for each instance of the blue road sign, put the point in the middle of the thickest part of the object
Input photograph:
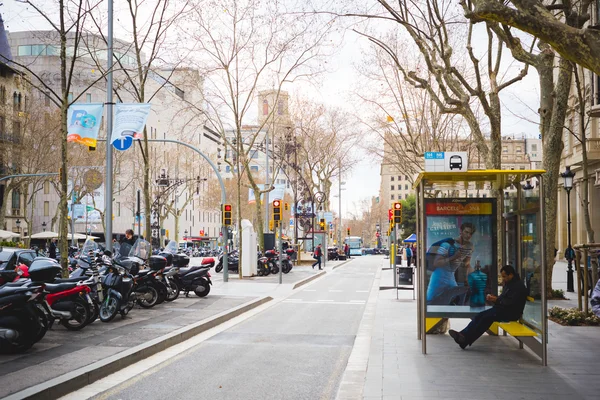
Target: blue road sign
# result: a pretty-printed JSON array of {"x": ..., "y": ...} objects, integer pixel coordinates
[{"x": 123, "y": 143}]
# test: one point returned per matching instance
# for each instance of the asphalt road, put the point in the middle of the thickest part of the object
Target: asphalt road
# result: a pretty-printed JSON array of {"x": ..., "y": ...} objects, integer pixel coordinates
[{"x": 297, "y": 349}]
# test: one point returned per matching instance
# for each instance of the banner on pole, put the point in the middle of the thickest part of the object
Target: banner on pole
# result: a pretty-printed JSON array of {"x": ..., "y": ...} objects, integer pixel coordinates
[
  {"x": 275, "y": 194},
  {"x": 129, "y": 121},
  {"x": 84, "y": 123}
]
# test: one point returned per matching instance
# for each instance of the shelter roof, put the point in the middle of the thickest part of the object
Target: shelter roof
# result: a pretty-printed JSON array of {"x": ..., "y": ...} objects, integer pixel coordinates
[{"x": 497, "y": 178}]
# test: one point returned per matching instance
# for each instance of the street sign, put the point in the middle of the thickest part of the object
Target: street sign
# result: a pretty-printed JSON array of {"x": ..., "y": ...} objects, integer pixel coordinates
[
  {"x": 449, "y": 161},
  {"x": 123, "y": 143}
]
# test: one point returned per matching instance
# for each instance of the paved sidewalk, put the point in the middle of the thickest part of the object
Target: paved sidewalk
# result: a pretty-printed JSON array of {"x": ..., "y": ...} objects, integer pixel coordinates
[
  {"x": 62, "y": 351},
  {"x": 493, "y": 368}
]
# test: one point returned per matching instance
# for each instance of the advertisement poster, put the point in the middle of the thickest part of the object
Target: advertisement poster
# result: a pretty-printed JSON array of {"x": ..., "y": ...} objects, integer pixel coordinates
[
  {"x": 130, "y": 120},
  {"x": 84, "y": 123},
  {"x": 275, "y": 194},
  {"x": 460, "y": 251}
]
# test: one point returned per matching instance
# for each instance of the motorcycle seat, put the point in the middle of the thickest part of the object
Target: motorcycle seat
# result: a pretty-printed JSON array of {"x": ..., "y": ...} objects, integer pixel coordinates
[
  {"x": 19, "y": 283},
  {"x": 143, "y": 273},
  {"x": 10, "y": 290},
  {"x": 75, "y": 279},
  {"x": 59, "y": 287}
]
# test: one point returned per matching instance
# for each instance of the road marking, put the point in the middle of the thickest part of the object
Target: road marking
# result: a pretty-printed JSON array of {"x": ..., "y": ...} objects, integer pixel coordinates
[
  {"x": 358, "y": 301},
  {"x": 334, "y": 291},
  {"x": 323, "y": 301}
]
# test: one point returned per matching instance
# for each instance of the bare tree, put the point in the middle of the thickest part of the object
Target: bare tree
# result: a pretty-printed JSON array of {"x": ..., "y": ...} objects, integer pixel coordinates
[{"x": 560, "y": 24}]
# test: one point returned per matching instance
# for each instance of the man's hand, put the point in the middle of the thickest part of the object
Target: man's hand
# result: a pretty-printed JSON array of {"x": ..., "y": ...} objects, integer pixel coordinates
[{"x": 491, "y": 298}]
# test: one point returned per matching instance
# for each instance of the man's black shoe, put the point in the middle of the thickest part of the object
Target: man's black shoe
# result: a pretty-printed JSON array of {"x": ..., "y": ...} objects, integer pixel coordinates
[{"x": 458, "y": 338}]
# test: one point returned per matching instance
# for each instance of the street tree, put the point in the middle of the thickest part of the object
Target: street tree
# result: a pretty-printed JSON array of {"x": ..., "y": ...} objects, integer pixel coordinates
[
  {"x": 243, "y": 48},
  {"x": 564, "y": 25}
]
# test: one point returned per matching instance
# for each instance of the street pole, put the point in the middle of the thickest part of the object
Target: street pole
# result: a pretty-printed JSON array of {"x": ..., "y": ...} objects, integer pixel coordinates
[
  {"x": 73, "y": 219},
  {"x": 570, "y": 286},
  {"x": 266, "y": 183},
  {"x": 108, "y": 195},
  {"x": 340, "y": 209},
  {"x": 139, "y": 215},
  {"x": 280, "y": 252}
]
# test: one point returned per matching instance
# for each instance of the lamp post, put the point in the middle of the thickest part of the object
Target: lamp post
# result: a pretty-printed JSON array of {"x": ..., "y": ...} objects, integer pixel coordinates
[
  {"x": 528, "y": 188},
  {"x": 44, "y": 226},
  {"x": 568, "y": 176},
  {"x": 18, "y": 223}
]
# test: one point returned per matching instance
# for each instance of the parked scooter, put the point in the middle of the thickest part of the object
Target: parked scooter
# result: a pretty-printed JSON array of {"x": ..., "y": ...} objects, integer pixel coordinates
[{"x": 189, "y": 279}]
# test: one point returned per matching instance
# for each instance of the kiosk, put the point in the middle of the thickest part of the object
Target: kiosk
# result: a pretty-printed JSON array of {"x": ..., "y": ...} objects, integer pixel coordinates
[{"x": 468, "y": 207}]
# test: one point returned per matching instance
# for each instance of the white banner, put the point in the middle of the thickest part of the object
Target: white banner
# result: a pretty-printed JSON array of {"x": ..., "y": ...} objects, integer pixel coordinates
[
  {"x": 129, "y": 121},
  {"x": 84, "y": 123},
  {"x": 275, "y": 194}
]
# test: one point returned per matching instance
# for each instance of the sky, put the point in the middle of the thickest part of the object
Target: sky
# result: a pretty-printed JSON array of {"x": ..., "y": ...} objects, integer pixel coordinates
[{"x": 337, "y": 87}]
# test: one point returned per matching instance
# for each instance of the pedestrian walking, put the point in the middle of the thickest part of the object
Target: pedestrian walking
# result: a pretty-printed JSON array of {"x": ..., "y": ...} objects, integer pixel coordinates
[
  {"x": 52, "y": 251},
  {"x": 414, "y": 254},
  {"x": 347, "y": 250},
  {"x": 317, "y": 256},
  {"x": 408, "y": 253}
]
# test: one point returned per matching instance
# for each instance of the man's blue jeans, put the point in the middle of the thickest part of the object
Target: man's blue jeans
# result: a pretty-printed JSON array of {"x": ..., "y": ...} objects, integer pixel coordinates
[{"x": 317, "y": 262}]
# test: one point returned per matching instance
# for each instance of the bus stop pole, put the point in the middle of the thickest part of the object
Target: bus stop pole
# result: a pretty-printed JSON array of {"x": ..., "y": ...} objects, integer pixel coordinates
[
  {"x": 422, "y": 288},
  {"x": 542, "y": 228},
  {"x": 395, "y": 267}
]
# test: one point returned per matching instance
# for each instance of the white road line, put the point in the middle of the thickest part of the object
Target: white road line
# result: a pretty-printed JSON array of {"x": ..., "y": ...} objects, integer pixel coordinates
[
  {"x": 335, "y": 290},
  {"x": 358, "y": 301},
  {"x": 325, "y": 301}
]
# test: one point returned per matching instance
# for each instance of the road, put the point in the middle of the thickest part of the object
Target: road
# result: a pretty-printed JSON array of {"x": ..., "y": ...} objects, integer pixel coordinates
[{"x": 296, "y": 349}]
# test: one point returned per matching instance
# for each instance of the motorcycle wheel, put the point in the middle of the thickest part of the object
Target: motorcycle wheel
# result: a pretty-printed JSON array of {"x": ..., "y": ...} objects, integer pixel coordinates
[
  {"x": 203, "y": 289},
  {"x": 162, "y": 291},
  {"x": 219, "y": 268},
  {"x": 147, "y": 296},
  {"x": 94, "y": 313},
  {"x": 274, "y": 269},
  {"x": 286, "y": 268},
  {"x": 109, "y": 309},
  {"x": 173, "y": 290},
  {"x": 81, "y": 315}
]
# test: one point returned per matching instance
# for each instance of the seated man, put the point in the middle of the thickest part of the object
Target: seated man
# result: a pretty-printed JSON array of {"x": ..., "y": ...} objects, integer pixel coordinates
[{"x": 507, "y": 307}]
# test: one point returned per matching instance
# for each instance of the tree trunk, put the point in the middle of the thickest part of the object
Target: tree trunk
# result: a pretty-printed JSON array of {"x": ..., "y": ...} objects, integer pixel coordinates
[
  {"x": 7, "y": 189},
  {"x": 147, "y": 198},
  {"x": 553, "y": 146}
]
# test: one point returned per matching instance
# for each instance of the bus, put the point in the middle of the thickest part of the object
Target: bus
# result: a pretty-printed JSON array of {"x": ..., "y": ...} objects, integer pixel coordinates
[{"x": 356, "y": 245}]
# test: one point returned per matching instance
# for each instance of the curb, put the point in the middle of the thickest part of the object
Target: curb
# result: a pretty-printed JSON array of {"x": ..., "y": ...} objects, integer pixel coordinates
[
  {"x": 310, "y": 278},
  {"x": 74, "y": 380},
  {"x": 342, "y": 264}
]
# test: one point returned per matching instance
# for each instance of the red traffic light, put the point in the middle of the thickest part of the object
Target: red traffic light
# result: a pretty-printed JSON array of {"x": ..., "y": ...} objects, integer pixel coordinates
[
  {"x": 227, "y": 207},
  {"x": 398, "y": 206},
  {"x": 276, "y": 203}
]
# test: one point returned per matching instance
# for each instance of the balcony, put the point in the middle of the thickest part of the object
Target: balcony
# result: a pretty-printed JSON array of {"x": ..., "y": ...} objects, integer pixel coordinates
[
  {"x": 9, "y": 137},
  {"x": 593, "y": 152}
]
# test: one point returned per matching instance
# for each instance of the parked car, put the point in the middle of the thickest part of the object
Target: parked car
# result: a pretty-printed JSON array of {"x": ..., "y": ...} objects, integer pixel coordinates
[{"x": 11, "y": 257}]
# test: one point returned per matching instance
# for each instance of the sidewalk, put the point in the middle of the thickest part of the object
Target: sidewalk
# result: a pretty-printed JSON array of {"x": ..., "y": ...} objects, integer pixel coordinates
[{"x": 494, "y": 368}]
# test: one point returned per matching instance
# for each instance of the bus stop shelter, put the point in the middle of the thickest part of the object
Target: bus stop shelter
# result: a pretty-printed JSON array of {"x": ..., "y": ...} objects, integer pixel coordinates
[{"x": 482, "y": 201}]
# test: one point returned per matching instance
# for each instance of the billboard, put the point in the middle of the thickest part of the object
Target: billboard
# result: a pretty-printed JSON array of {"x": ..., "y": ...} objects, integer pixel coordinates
[{"x": 461, "y": 249}]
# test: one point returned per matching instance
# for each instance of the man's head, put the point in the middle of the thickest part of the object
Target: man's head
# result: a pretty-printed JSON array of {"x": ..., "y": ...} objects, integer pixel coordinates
[
  {"x": 466, "y": 231},
  {"x": 508, "y": 273},
  {"x": 129, "y": 233}
]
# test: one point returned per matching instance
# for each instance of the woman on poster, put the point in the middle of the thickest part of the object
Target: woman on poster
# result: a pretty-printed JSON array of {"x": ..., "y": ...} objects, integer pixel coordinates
[{"x": 445, "y": 257}]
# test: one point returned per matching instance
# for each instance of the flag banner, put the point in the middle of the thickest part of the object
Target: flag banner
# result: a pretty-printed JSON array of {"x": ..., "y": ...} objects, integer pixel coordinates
[
  {"x": 129, "y": 121},
  {"x": 84, "y": 123},
  {"x": 275, "y": 194}
]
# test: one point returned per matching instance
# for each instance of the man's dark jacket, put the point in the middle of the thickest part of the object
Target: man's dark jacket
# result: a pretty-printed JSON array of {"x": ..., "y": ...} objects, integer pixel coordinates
[{"x": 511, "y": 302}]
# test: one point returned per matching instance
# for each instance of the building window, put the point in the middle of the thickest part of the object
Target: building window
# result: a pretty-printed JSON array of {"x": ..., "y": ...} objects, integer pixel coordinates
[
  {"x": 505, "y": 149},
  {"x": 265, "y": 107},
  {"x": 227, "y": 168},
  {"x": 118, "y": 209},
  {"x": 522, "y": 168},
  {"x": 399, "y": 197},
  {"x": 16, "y": 129},
  {"x": 15, "y": 101},
  {"x": 504, "y": 158},
  {"x": 392, "y": 188},
  {"x": 518, "y": 149},
  {"x": 392, "y": 178},
  {"x": 46, "y": 187},
  {"x": 405, "y": 187},
  {"x": 392, "y": 197},
  {"x": 88, "y": 97},
  {"x": 534, "y": 147},
  {"x": 16, "y": 200},
  {"x": 254, "y": 168},
  {"x": 406, "y": 177},
  {"x": 46, "y": 209},
  {"x": 399, "y": 177}
]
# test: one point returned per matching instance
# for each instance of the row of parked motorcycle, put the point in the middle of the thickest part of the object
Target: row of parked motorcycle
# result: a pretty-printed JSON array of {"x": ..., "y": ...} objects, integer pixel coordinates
[
  {"x": 102, "y": 285},
  {"x": 267, "y": 263}
]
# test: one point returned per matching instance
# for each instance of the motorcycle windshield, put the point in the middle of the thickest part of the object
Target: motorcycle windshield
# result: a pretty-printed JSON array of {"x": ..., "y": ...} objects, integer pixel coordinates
[
  {"x": 121, "y": 250},
  {"x": 88, "y": 246},
  {"x": 141, "y": 249},
  {"x": 172, "y": 247}
]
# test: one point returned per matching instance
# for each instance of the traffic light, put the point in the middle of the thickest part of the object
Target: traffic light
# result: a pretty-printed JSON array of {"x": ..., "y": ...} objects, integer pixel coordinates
[
  {"x": 226, "y": 214},
  {"x": 286, "y": 206},
  {"x": 277, "y": 210},
  {"x": 348, "y": 231},
  {"x": 322, "y": 224},
  {"x": 397, "y": 213},
  {"x": 271, "y": 224}
]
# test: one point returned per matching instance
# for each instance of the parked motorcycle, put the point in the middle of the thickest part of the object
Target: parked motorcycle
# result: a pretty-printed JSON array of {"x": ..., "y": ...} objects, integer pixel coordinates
[{"x": 233, "y": 262}]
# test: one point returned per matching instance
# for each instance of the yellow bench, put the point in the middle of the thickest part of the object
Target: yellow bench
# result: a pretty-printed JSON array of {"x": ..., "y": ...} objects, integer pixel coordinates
[{"x": 521, "y": 332}]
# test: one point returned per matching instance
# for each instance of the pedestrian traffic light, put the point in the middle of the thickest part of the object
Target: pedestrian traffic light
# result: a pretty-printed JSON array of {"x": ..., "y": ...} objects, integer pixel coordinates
[
  {"x": 397, "y": 213},
  {"x": 277, "y": 210},
  {"x": 226, "y": 214},
  {"x": 286, "y": 206},
  {"x": 322, "y": 224},
  {"x": 348, "y": 231}
]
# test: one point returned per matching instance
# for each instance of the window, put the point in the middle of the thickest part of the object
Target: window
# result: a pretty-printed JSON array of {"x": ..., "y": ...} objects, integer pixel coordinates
[
  {"x": 227, "y": 168},
  {"x": 255, "y": 154},
  {"x": 518, "y": 149},
  {"x": 392, "y": 178},
  {"x": 406, "y": 177},
  {"x": 118, "y": 209},
  {"x": 399, "y": 197},
  {"x": 522, "y": 168},
  {"x": 88, "y": 98},
  {"x": 24, "y": 51},
  {"x": 505, "y": 149},
  {"x": 392, "y": 197},
  {"x": 504, "y": 158},
  {"x": 405, "y": 187},
  {"x": 392, "y": 188},
  {"x": 254, "y": 168},
  {"x": 46, "y": 187},
  {"x": 46, "y": 209},
  {"x": 15, "y": 101},
  {"x": 17, "y": 129},
  {"x": 399, "y": 177},
  {"x": 534, "y": 147},
  {"x": 16, "y": 200}
]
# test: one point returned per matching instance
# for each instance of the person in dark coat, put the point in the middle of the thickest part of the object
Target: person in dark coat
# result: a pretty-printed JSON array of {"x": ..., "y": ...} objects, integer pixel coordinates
[
  {"x": 52, "y": 250},
  {"x": 507, "y": 307},
  {"x": 317, "y": 255},
  {"x": 129, "y": 239}
]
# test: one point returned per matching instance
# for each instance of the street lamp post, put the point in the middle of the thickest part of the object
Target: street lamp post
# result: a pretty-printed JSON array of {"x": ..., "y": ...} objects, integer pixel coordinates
[
  {"x": 44, "y": 226},
  {"x": 568, "y": 176},
  {"x": 18, "y": 223}
]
